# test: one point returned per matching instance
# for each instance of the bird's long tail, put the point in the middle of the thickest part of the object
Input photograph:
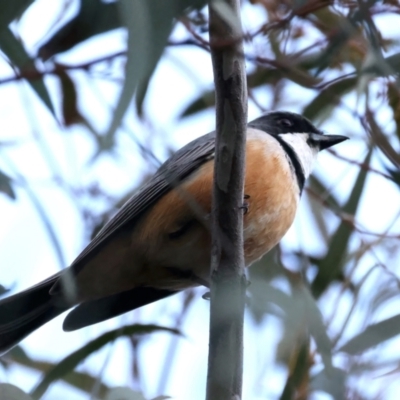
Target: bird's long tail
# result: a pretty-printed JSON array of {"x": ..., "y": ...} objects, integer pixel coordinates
[{"x": 24, "y": 312}]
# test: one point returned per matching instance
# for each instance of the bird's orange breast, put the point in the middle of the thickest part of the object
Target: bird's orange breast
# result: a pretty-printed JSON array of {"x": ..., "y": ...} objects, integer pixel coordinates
[
  {"x": 274, "y": 195},
  {"x": 273, "y": 200}
]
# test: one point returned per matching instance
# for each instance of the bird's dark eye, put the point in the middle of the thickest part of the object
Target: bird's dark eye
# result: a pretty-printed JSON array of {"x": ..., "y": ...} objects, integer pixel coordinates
[{"x": 286, "y": 122}]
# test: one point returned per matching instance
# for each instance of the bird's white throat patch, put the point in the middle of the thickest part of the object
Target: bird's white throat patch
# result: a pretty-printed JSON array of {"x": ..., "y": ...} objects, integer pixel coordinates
[{"x": 307, "y": 155}]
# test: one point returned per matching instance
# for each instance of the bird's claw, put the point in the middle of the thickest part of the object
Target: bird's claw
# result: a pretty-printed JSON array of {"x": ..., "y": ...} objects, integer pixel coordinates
[{"x": 245, "y": 206}]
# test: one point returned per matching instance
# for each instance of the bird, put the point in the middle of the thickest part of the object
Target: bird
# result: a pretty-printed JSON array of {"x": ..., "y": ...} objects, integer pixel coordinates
[{"x": 159, "y": 242}]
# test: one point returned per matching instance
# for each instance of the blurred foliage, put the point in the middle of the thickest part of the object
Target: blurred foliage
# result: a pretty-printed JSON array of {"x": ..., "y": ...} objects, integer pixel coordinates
[
  {"x": 11, "y": 392},
  {"x": 6, "y": 186},
  {"x": 70, "y": 362},
  {"x": 330, "y": 315},
  {"x": 80, "y": 380}
]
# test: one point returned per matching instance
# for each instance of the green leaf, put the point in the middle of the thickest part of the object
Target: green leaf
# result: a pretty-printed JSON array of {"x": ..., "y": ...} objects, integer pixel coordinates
[
  {"x": 204, "y": 101},
  {"x": 11, "y": 392},
  {"x": 264, "y": 297},
  {"x": 383, "y": 66},
  {"x": 3, "y": 290},
  {"x": 385, "y": 292},
  {"x": 336, "y": 44},
  {"x": 123, "y": 393},
  {"x": 379, "y": 138},
  {"x": 316, "y": 325},
  {"x": 297, "y": 75},
  {"x": 6, "y": 187},
  {"x": 80, "y": 380},
  {"x": 332, "y": 382},
  {"x": 328, "y": 98},
  {"x": 137, "y": 17},
  {"x": 20, "y": 59},
  {"x": 11, "y": 10},
  {"x": 393, "y": 62},
  {"x": 318, "y": 210},
  {"x": 261, "y": 76},
  {"x": 327, "y": 20},
  {"x": 299, "y": 373},
  {"x": 70, "y": 112},
  {"x": 302, "y": 316},
  {"x": 394, "y": 174},
  {"x": 44, "y": 217},
  {"x": 373, "y": 335},
  {"x": 302, "y": 319},
  {"x": 162, "y": 398},
  {"x": 145, "y": 47},
  {"x": 319, "y": 187},
  {"x": 331, "y": 266},
  {"x": 393, "y": 94},
  {"x": 70, "y": 362},
  {"x": 103, "y": 17},
  {"x": 345, "y": 30}
]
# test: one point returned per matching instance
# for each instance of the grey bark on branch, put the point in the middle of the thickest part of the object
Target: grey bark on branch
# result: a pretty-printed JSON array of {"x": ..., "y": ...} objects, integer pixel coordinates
[{"x": 228, "y": 283}]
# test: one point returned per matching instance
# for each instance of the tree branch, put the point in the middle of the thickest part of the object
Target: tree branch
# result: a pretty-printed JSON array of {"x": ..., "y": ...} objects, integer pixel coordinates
[{"x": 228, "y": 284}]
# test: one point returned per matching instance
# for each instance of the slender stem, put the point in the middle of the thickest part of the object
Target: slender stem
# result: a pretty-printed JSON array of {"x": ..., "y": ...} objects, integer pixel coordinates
[{"x": 228, "y": 284}]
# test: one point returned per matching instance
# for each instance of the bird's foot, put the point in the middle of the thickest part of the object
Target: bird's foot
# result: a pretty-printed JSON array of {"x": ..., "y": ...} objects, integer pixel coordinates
[{"x": 245, "y": 205}]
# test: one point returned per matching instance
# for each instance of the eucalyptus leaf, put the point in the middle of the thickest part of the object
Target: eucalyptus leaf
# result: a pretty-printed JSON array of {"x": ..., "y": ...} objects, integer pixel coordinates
[
  {"x": 328, "y": 98},
  {"x": 373, "y": 335},
  {"x": 379, "y": 138},
  {"x": 386, "y": 292},
  {"x": 20, "y": 60},
  {"x": 261, "y": 76},
  {"x": 393, "y": 93},
  {"x": 265, "y": 298},
  {"x": 6, "y": 186},
  {"x": 11, "y": 10},
  {"x": 316, "y": 326},
  {"x": 74, "y": 359},
  {"x": 318, "y": 210},
  {"x": 201, "y": 103},
  {"x": 137, "y": 17},
  {"x": 394, "y": 174},
  {"x": 330, "y": 267},
  {"x": 11, "y": 392},
  {"x": 383, "y": 66},
  {"x": 332, "y": 382},
  {"x": 123, "y": 393},
  {"x": 302, "y": 317},
  {"x": 80, "y": 380},
  {"x": 103, "y": 17},
  {"x": 298, "y": 373},
  {"x": 47, "y": 222},
  {"x": 70, "y": 112},
  {"x": 3, "y": 290},
  {"x": 346, "y": 28},
  {"x": 145, "y": 47}
]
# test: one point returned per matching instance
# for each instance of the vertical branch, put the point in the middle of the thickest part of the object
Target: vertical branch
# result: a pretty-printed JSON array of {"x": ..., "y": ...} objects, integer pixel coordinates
[{"x": 228, "y": 284}]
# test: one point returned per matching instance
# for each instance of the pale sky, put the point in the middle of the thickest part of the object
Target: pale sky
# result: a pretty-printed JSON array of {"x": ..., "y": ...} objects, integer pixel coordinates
[{"x": 27, "y": 256}]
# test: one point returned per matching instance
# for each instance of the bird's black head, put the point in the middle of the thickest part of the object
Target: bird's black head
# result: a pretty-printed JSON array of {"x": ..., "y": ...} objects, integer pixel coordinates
[
  {"x": 277, "y": 122},
  {"x": 281, "y": 122}
]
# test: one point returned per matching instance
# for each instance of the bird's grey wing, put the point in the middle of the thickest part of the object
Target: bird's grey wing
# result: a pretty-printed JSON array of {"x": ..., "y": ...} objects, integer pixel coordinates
[
  {"x": 92, "y": 312},
  {"x": 186, "y": 160}
]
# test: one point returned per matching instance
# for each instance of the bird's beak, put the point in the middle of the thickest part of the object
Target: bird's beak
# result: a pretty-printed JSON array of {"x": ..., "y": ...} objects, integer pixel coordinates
[{"x": 325, "y": 141}]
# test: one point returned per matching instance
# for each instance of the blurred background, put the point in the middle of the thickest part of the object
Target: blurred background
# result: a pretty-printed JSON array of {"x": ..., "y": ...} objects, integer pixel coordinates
[{"x": 95, "y": 95}]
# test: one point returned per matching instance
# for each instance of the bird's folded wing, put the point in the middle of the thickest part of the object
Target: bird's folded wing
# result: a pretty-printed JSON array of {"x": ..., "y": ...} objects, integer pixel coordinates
[{"x": 170, "y": 174}]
